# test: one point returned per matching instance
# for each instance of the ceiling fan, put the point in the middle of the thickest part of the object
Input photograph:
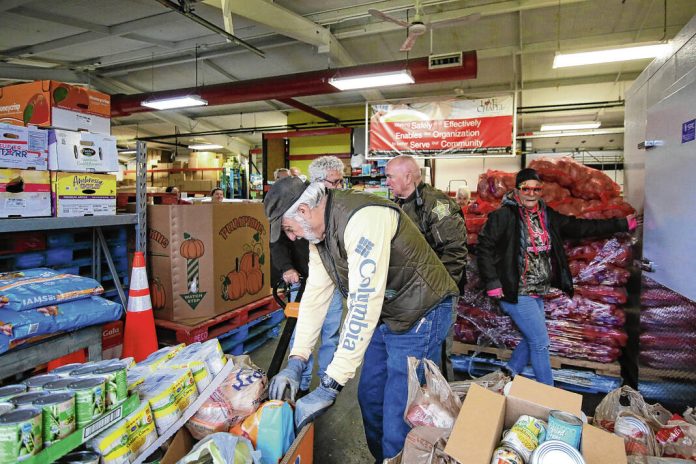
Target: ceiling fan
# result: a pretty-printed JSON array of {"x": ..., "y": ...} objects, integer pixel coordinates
[{"x": 417, "y": 27}]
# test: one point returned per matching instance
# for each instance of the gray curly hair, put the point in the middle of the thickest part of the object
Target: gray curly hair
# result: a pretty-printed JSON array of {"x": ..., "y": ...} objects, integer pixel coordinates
[{"x": 320, "y": 167}]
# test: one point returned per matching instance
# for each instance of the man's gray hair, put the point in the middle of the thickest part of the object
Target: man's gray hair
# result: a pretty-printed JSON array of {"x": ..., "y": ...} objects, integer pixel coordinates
[
  {"x": 312, "y": 196},
  {"x": 320, "y": 167},
  {"x": 278, "y": 171}
]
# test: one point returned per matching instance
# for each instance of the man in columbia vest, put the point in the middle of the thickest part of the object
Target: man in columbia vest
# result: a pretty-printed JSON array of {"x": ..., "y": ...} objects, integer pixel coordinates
[{"x": 399, "y": 297}]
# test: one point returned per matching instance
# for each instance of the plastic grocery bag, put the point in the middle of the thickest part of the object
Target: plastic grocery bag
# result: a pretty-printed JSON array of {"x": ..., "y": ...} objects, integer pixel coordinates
[
  {"x": 495, "y": 382},
  {"x": 222, "y": 448},
  {"x": 240, "y": 395},
  {"x": 435, "y": 404},
  {"x": 271, "y": 429},
  {"x": 609, "y": 409},
  {"x": 677, "y": 439},
  {"x": 426, "y": 445}
]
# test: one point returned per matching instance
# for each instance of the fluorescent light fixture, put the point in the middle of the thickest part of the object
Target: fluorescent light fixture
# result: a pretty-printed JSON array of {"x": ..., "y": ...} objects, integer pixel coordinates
[
  {"x": 366, "y": 81},
  {"x": 563, "y": 60},
  {"x": 127, "y": 152},
  {"x": 170, "y": 103},
  {"x": 204, "y": 146},
  {"x": 571, "y": 126}
]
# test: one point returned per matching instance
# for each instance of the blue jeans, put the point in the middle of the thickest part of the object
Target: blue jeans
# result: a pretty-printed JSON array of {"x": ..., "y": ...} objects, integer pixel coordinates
[
  {"x": 383, "y": 387},
  {"x": 329, "y": 339},
  {"x": 528, "y": 314}
]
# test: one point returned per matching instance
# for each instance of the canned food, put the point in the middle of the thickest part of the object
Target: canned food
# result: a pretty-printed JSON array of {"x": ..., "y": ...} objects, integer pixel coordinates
[
  {"x": 6, "y": 407},
  {"x": 80, "y": 457},
  {"x": 58, "y": 416},
  {"x": 58, "y": 385},
  {"x": 556, "y": 452},
  {"x": 525, "y": 435},
  {"x": 116, "y": 384},
  {"x": 64, "y": 371},
  {"x": 84, "y": 370},
  {"x": 26, "y": 399},
  {"x": 9, "y": 391},
  {"x": 37, "y": 383},
  {"x": 506, "y": 455},
  {"x": 20, "y": 434},
  {"x": 565, "y": 427},
  {"x": 89, "y": 399}
]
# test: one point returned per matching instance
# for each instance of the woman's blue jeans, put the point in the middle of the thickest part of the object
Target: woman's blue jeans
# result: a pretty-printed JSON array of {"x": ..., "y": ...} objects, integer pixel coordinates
[{"x": 528, "y": 314}]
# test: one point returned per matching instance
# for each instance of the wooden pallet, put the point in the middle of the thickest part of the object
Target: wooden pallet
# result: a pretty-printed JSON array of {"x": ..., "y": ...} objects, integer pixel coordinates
[
  {"x": 557, "y": 362},
  {"x": 647, "y": 373},
  {"x": 169, "y": 332}
]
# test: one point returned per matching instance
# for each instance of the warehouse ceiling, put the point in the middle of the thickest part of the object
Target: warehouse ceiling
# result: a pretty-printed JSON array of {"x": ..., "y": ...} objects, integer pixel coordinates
[{"x": 135, "y": 46}]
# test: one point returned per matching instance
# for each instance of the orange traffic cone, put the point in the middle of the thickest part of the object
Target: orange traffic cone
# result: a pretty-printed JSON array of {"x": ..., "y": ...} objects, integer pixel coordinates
[{"x": 139, "y": 338}]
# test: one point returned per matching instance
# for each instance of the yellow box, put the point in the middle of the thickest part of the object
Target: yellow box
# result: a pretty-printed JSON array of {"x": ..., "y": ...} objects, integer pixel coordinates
[{"x": 83, "y": 194}]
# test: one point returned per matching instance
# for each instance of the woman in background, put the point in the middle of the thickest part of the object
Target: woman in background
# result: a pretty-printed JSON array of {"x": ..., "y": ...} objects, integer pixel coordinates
[{"x": 217, "y": 195}]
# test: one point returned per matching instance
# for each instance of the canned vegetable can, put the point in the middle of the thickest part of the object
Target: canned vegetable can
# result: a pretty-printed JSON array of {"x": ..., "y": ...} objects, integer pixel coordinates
[
  {"x": 58, "y": 385},
  {"x": 556, "y": 452},
  {"x": 20, "y": 434},
  {"x": 565, "y": 427},
  {"x": 58, "y": 416},
  {"x": 64, "y": 371},
  {"x": 37, "y": 383},
  {"x": 116, "y": 384},
  {"x": 8, "y": 391},
  {"x": 6, "y": 407},
  {"x": 27, "y": 399},
  {"x": 525, "y": 435},
  {"x": 506, "y": 455},
  {"x": 90, "y": 402}
]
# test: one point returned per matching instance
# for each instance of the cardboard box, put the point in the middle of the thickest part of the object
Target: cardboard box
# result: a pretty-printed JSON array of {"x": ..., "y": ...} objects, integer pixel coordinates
[
  {"x": 55, "y": 104},
  {"x": 81, "y": 151},
  {"x": 83, "y": 194},
  {"x": 112, "y": 340},
  {"x": 23, "y": 148},
  {"x": 24, "y": 193},
  {"x": 484, "y": 415},
  {"x": 208, "y": 259}
]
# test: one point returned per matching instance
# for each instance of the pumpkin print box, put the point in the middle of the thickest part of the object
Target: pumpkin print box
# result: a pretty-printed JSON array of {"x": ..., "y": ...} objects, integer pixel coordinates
[{"x": 206, "y": 260}]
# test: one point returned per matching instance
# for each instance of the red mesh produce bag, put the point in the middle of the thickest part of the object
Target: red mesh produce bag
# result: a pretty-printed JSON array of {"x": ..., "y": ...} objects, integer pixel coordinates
[
  {"x": 553, "y": 193},
  {"x": 678, "y": 317},
  {"x": 668, "y": 359},
  {"x": 603, "y": 293},
  {"x": 474, "y": 224},
  {"x": 492, "y": 185},
  {"x": 481, "y": 207},
  {"x": 668, "y": 340}
]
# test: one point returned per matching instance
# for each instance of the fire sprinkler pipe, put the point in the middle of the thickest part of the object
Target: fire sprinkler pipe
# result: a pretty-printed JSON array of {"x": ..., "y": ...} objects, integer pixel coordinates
[{"x": 296, "y": 85}]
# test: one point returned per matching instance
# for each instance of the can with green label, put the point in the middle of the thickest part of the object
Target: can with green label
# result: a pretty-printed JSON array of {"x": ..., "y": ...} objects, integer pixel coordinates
[
  {"x": 27, "y": 399},
  {"x": 64, "y": 371},
  {"x": 6, "y": 407},
  {"x": 8, "y": 391},
  {"x": 90, "y": 401},
  {"x": 116, "y": 384},
  {"x": 59, "y": 385},
  {"x": 20, "y": 434},
  {"x": 37, "y": 383},
  {"x": 84, "y": 370},
  {"x": 58, "y": 416}
]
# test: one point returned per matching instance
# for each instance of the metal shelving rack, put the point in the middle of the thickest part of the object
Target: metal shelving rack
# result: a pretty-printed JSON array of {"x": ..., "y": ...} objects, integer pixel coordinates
[{"x": 65, "y": 344}]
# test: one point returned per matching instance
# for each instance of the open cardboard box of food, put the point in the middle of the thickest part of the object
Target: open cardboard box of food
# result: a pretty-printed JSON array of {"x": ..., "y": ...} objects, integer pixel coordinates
[
  {"x": 484, "y": 415},
  {"x": 301, "y": 450}
]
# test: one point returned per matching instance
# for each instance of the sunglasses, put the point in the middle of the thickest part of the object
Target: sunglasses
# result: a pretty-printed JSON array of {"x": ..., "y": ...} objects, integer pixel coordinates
[
  {"x": 531, "y": 190},
  {"x": 334, "y": 183}
]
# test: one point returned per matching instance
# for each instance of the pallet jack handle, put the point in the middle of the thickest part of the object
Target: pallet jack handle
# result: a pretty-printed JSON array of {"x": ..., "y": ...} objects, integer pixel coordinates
[{"x": 291, "y": 310}]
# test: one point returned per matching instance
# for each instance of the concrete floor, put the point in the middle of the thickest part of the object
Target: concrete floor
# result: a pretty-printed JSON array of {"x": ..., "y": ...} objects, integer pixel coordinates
[{"x": 338, "y": 435}]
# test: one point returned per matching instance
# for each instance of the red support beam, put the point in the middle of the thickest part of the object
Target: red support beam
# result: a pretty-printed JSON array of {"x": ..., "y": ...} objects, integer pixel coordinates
[
  {"x": 307, "y": 133},
  {"x": 310, "y": 110}
]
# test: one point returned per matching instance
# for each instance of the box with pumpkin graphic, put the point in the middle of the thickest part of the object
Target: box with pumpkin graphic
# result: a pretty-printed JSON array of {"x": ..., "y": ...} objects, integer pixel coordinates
[
  {"x": 56, "y": 104},
  {"x": 206, "y": 260}
]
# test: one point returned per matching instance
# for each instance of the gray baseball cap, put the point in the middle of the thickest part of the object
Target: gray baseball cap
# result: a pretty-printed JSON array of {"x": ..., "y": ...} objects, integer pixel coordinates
[{"x": 282, "y": 195}]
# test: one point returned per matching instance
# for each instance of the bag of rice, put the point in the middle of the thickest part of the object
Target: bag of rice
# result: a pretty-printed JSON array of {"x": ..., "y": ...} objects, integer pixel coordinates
[{"x": 34, "y": 288}]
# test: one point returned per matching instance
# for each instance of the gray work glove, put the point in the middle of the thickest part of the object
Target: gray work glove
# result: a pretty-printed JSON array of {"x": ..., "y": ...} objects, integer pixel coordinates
[
  {"x": 289, "y": 378},
  {"x": 317, "y": 402}
]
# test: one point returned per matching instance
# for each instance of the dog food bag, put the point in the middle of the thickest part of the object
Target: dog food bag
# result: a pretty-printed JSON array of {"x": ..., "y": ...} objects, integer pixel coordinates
[{"x": 34, "y": 288}]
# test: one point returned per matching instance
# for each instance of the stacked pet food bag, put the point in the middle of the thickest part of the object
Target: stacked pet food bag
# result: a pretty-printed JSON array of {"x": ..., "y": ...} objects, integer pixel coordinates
[{"x": 588, "y": 326}]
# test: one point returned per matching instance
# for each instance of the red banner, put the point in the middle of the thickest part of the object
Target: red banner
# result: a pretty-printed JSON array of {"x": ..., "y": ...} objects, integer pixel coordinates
[{"x": 443, "y": 135}]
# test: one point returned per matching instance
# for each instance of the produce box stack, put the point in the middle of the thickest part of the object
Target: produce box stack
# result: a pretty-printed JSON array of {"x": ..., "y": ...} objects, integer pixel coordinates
[
  {"x": 79, "y": 148},
  {"x": 667, "y": 360},
  {"x": 40, "y": 302},
  {"x": 588, "y": 326}
]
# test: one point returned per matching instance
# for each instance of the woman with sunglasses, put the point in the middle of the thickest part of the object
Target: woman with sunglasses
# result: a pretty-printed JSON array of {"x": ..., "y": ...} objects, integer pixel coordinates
[{"x": 520, "y": 256}]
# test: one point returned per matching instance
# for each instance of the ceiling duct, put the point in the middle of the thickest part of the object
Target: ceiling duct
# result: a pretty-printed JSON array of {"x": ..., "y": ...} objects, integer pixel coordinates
[{"x": 297, "y": 85}]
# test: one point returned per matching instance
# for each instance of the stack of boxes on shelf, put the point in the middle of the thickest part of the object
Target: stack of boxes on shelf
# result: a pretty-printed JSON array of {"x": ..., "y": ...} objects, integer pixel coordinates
[
  {"x": 201, "y": 173},
  {"x": 58, "y": 164}
]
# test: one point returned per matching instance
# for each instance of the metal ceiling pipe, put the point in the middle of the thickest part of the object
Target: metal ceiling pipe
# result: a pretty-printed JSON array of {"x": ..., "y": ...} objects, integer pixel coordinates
[{"x": 296, "y": 85}]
